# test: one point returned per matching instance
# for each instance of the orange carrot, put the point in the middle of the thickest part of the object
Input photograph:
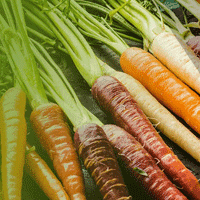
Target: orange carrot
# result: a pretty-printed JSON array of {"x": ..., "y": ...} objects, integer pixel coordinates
[
  {"x": 165, "y": 86},
  {"x": 13, "y": 140},
  {"x": 54, "y": 135},
  {"x": 45, "y": 178},
  {"x": 115, "y": 99}
]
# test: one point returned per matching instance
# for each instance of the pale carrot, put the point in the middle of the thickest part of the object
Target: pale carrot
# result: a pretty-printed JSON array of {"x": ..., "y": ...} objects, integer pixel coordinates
[
  {"x": 178, "y": 58},
  {"x": 164, "y": 85}
]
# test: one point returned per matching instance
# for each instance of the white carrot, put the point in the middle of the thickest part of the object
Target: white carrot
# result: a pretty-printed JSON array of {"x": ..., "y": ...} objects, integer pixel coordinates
[{"x": 178, "y": 58}]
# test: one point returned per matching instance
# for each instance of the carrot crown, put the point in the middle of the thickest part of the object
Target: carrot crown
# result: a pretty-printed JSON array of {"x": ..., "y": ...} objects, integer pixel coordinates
[
  {"x": 91, "y": 27},
  {"x": 16, "y": 45}
]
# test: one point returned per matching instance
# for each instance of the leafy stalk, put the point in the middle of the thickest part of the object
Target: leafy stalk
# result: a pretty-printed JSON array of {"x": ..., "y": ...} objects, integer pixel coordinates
[
  {"x": 17, "y": 47},
  {"x": 93, "y": 28},
  {"x": 142, "y": 19},
  {"x": 76, "y": 45},
  {"x": 106, "y": 10},
  {"x": 184, "y": 32},
  {"x": 192, "y": 5}
]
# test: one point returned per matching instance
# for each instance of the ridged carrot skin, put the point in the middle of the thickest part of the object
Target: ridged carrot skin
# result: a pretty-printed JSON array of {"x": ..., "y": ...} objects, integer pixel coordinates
[
  {"x": 159, "y": 115},
  {"x": 54, "y": 135},
  {"x": 133, "y": 155},
  {"x": 178, "y": 58},
  {"x": 13, "y": 131},
  {"x": 44, "y": 177},
  {"x": 115, "y": 99},
  {"x": 99, "y": 159},
  {"x": 162, "y": 84}
]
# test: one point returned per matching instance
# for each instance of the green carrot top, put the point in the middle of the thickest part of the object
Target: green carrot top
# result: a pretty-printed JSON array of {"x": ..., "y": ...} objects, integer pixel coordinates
[{"x": 16, "y": 44}]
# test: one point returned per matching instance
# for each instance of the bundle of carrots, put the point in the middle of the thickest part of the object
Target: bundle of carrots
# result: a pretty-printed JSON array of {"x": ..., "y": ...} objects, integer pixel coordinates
[
  {"x": 188, "y": 190},
  {"x": 138, "y": 145},
  {"x": 96, "y": 152}
]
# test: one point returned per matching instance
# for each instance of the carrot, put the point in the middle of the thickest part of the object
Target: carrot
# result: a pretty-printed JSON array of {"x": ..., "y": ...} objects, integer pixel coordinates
[
  {"x": 114, "y": 98},
  {"x": 54, "y": 134},
  {"x": 167, "y": 88},
  {"x": 45, "y": 178},
  {"x": 178, "y": 58},
  {"x": 134, "y": 156},
  {"x": 164, "y": 120},
  {"x": 169, "y": 49},
  {"x": 99, "y": 158},
  {"x": 13, "y": 140}
]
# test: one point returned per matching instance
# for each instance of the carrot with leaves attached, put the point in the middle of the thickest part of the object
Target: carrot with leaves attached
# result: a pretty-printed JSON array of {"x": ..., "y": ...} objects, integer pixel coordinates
[
  {"x": 111, "y": 185},
  {"x": 13, "y": 140},
  {"x": 37, "y": 168},
  {"x": 115, "y": 99},
  {"x": 168, "y": 48},
  {"x": 54, "y": 132}
]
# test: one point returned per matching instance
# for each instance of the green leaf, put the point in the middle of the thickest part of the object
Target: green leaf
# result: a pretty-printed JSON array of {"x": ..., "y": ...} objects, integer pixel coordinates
[{"x": 140, "y": 171}]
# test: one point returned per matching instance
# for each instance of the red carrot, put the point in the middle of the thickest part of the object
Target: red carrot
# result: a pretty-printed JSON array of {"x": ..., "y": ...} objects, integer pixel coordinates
[
  {"x": 114, "y": 98},
  {"x": 133, "y": 155},
  {"x": 99, "y": 158},
  {"x": 55, "y": 137}
]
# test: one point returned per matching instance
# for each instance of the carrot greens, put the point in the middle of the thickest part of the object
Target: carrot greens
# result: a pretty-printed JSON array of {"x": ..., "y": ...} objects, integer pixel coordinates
[
  {"x": 72, "y": 40},
  {"x": 16, "y": 45}
]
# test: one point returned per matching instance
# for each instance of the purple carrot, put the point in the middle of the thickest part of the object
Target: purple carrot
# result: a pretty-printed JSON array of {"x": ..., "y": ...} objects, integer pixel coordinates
[{"x": 99, "y": 159}]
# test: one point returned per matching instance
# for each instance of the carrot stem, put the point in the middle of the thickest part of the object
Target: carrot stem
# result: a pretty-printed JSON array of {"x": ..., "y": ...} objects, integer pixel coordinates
[
  {"x": 16, "y": 44},
  {"x": 92, "y": 27},
  {"x": 83, "y": 56},
  {"x": 143, "y": 20},
  {"x": 191, "y": 5}
]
